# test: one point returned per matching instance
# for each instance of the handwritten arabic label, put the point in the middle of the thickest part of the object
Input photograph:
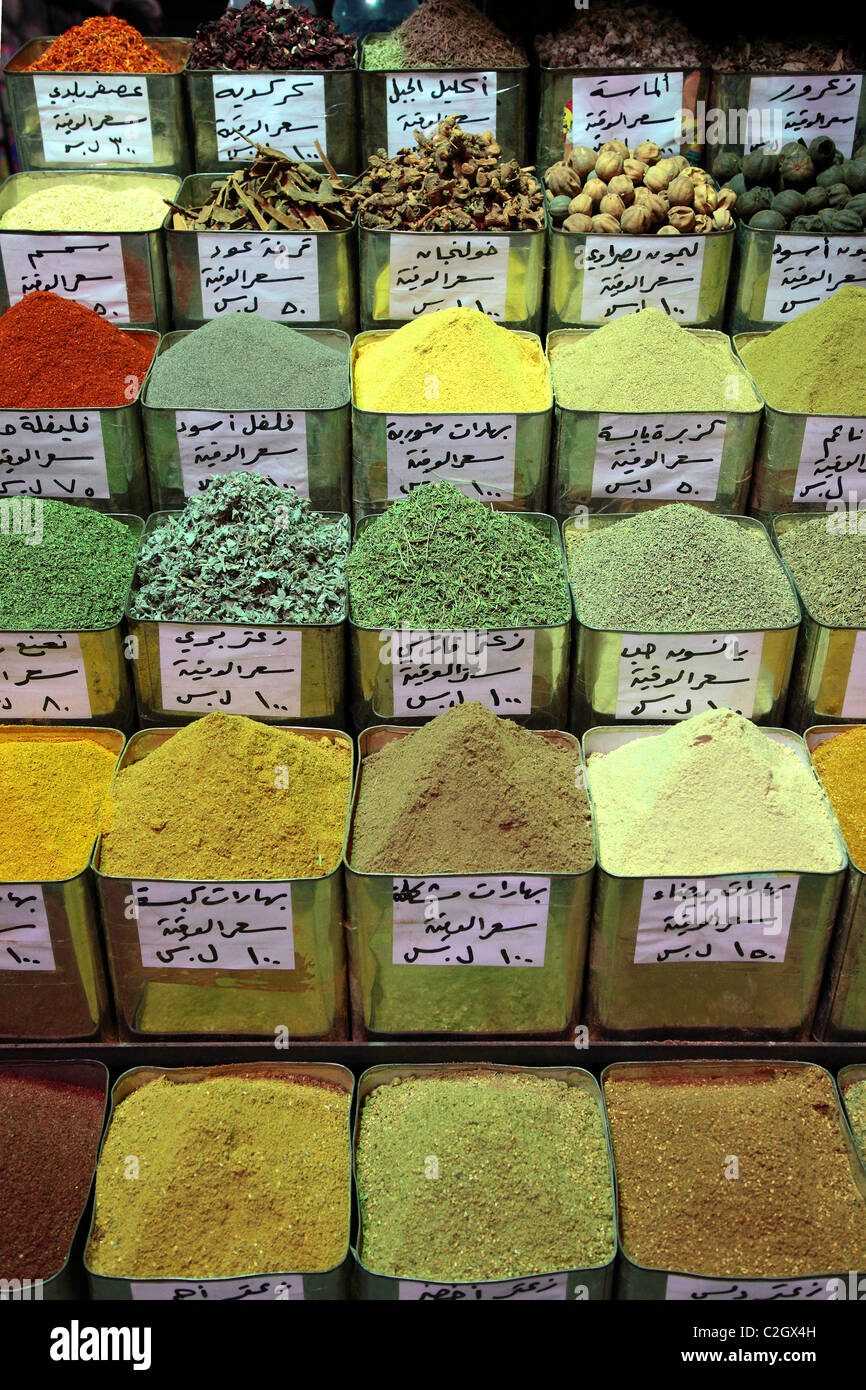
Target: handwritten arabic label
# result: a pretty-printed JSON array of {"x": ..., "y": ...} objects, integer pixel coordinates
[
  {"x": 272, "y": 443},
  {"x": 547, "y": 1286},
  {"x": 246, "y": 670},
  {"x": 832, "y": 459},
  {"x": 286, "y": 1287},
  {"x": 854, "y": 704},
  {"x": 677, "y": 676},
  {"x": 287, "y": 113},
  {"x": 475, "y": 454},
  {"x": 432, "y": 671},
  {"x": 825, "y": 104},
  {"x": 804, "y": 271},
  {"x": 52, "y": 453},
  {"x": 670, "y": 456},
  {"x": 470, "y": 921},
  {"x": 42, "y": 673},
  {"x": 420, "y": 100},
  {"x": 715, "y": 919},
  {"x": 447, "y": 272},
  {"x": 215, "y": 926},
  {"x": 275, "y": 275},
  {"x": 25, "y": 936},
  {"x": 683, "y": 1286},
  {"x": 627, "y": 106},
  {"x": 624, "y": 274},
  {"x": 94, "y": 120},
  {"x": 85, "y": 267}
]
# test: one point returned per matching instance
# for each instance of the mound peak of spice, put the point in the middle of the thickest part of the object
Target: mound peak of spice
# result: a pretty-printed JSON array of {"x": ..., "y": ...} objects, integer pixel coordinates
[
  {"x": 443, "y": 34},
  {"x": 103, "y": 43},
  {"x": 815, "y": 365},
  {"x": 803, "y": 54},
  {"x": 274, "y": 38},
  {"x": 639, "y": 37},
  {"x": 79, "y": 207}
]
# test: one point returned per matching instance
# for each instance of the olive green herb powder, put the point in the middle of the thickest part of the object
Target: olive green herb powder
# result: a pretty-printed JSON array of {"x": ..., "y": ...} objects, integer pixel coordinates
[
  {"x": 483, "y": 1176},
  {"x": 829, "y": 567},
  {"x": 855, "y": 1104},
  {"x": 815, "y": 365}
]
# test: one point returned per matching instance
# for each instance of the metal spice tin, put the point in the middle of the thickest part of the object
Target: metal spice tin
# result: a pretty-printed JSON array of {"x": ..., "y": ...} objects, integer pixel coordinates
[
  {"x": 700, "y": 457},
  {"x": 405, "y": 677},
  {"x": 68, "y": 1283},
  {"x": 328, "y": 1284},
  {"x": 52, "y": 976},
  {"x": 841, "y": 1013},
  {"x": 155, "y": 111},
  {"x": 635, "y": 1281},
  {"x": 332, "y": 101},
  {"x": 127, "y": 269},
  {"x": 308, "y": 449},
  {"x": 508, "y": 451},
  {"x": 80, "y": 678},
  {"x": 305, "y": 1000},
  {"x": 746, "y": 996},
  {"x": 780, "y": 274},
  {"x": 298, "y": 670},
  {"x": 624, "y": 676},
  {"x": 311, "y": 284},
  {"x": 593, "y": 1283},
  {"x": 479, "y": 1000},
  {"x": 735, "y": 99},
  {"x": 849, "y": 1076}
]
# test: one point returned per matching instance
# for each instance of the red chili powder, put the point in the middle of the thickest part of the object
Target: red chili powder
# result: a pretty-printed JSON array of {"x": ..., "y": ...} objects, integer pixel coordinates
[{"x": 100, "y": 44}]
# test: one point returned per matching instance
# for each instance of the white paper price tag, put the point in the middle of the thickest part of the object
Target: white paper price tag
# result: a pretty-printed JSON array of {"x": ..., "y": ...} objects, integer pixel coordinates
[
  {"x": 86, "y": 267},
  {"x": 274, "y": 275},
  {"x": 794, "y": 107},
  {"x": 215, "y": 926},
  {"x": 715, "y": 919},
  {"x": 52, "y": 453},
  {"x": 431, "y": 671},
  {"x": 683, "y": 1287},
  {"x": 677, "y": 676},
  {"x": 446, "y": 272},
  {"x": 420, "y": 100},
  {"x": 242, "y": 670},
  {"x": 94, "y": 120},
  {"x": 625, "y": 274},
  {"x": 287, "y": 113},
  {"x": 674, "y": 457},
  {"x": 832, "y": 458},
  {"x": 627, "y": 106},
  {"x": 804, "y": 271},
  {"x": 42, "y": 674},
  {"x": 25, "y": 936},
  {"x": 285, "y": 1288},
  {"x": 854, "y": 704},
  {"x": 474, "y": 453},
  {"x": 272, "y": 443},
  {"x": 470, "y": 921},
  {"x": 547, "y": 1286}
]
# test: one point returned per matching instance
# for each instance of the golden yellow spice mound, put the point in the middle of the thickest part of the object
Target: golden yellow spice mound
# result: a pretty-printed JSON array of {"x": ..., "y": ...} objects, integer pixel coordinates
[
  {"x": 229, "y": 798},
  {"x": 53, "y": 795},
  {"x": 841, "y": 765}
]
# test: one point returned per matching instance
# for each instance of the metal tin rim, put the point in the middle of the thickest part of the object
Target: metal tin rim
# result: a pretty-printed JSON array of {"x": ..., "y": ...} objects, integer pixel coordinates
[
  {"x": 796, "y": 519},
  {"x": 270, "y": 72},
  {"x": 616, "y": 71}
]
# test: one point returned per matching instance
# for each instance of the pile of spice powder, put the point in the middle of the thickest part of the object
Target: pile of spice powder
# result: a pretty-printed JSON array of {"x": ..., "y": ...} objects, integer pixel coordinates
[
  {"x": 443, "y": 34},
  {"x": 49, "y": 1138},
  {"x": 237, "y": 1175},
  {"x": 439, "y": 559},
  {"x": 271, "y": 38},
  {"x": 685, "y": 802},
  {"x": 101, "y": 44},
  {"x": 451, "y": 361},
  {"x": 678, "y": 568},
  {"x": 794, "y": 1209},
  {"x": 522, "y": 1183},
  {"x": 57, "y": 354},
  {"x": 69, "y": 569},
  {"x": 828, "y": 563},
  {"x": 243, "y": 551},
  {"x": 646, "y": 362},
  {"x": 471, "y": 793},
  {"x": 53, "y": 792},
  {"x": 66, "y": 207},
  {"x": 243, "y": 362},
  {"x": 855, "y": 1104},
  {"x": 841, "y": 764},
  {"x": 228, "y": 798},
  {"x": 639, "y": 37},
  {"x": 815, "y": 364}
]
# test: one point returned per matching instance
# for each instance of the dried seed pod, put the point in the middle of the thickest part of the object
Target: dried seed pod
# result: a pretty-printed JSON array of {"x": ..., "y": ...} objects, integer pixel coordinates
[
  {"x": 612, "y": 206},
  {"x": 634, "y": 169},
  {"x": 636, "y": 220},
  {"x": 578, "y": 222},
  {"x": 703, "y": 224},
  {"x": 596, "y": 190},
  {"x": 603, "y": 222},
  {"x": 623, "y": 188},
  {"x": 682, "y": 218},
  {"x": 609, "y": 164},
  {"x": 681, "y": 192},
  {"x": 582, "y": 204},
  {"x": 658, "y": 207},
  {"x": 706, "y": 199},
  {"x": 582, "y": 160},
  {"x": 642, "y": 194},
  {"x": 616, "y": 146},
  {"x": 562, "y": 181},
  {"x": 655, "y": 179},
  {"x": 667, "y": 230},
  {"x": 647, "y": 151},
  {"x": 722, "y": 219},
  {"x": 668, "y": 168}
]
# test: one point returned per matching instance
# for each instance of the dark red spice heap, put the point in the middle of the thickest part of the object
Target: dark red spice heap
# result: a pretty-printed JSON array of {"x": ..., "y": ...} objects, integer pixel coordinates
[{"x": 275, "y": 38}]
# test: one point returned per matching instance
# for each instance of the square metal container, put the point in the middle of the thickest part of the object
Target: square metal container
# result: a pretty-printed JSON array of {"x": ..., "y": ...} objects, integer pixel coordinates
[
  {"x": 638, "y": 1282},
  {"x": 576, "y": 436},
  {"x": 340, "y": 100},
  {"x": 371, "y": 670},
  {"x": 596, "y": 660},
  {"x": 164, "y": 99},
  {"x": 573, "y": 1284},
  {"x": 731, "y": 92},
  {"x": 748, "y": 312},
  {"x": 141, "y": 253},
  {"x": 327, "y": 434},
  {"x": 336, "y": 259},
  {"x": 847, "y": 1077},
  {"x": 328, "y": 1284},
  {"x": 477, "y": 1000},
  {"x": 70, "y": 1001},
  {"x": 722, "y": 1000},
  {"x": 308, "y": 1001},
  {"x": 322, "y": 658}
]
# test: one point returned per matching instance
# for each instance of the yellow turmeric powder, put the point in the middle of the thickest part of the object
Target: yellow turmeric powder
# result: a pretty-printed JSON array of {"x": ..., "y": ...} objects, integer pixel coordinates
[
  {"x": 53, "y": 793},
  {"x": 841, "y": 765},
  {"x": 450, "y": 362}
]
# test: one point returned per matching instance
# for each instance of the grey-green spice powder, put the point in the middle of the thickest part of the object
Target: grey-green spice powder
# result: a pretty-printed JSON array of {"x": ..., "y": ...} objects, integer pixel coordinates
[
  {"x": 828, "y": 563},
  {"x": 678, "y": 569},
  {"x": 243, "y": 362},
  {"x": 244, "y": 551}
]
